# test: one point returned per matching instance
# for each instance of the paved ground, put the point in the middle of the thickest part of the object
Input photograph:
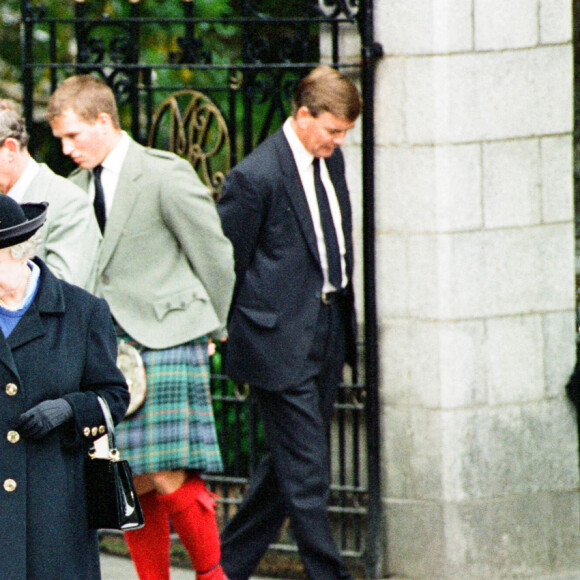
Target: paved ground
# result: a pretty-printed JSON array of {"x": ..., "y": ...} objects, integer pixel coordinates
[
  {"x": 115, "y": 568},
  {"x": 118, "y": 568}
]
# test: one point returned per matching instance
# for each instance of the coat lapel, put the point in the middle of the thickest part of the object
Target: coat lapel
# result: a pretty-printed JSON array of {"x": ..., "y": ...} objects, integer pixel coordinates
[
  {"x": 6, "y": 356},
  {"x": 28, "y": 328},
  {"x": 295, "y": 192},
  {"x": 38, "y": 186},
  {"x": 49, "y": 299},
  {"x": 125, "y": 197}
]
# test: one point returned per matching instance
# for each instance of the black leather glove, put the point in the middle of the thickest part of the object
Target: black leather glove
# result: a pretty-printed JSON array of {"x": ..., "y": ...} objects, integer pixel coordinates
[{"x": 43, "y": 418}]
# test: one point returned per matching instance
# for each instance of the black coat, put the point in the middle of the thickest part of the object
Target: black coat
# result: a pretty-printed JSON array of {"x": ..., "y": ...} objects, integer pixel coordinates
[
  {"x": 64, "y": 346},
  {"x": 279, "y": 277}
]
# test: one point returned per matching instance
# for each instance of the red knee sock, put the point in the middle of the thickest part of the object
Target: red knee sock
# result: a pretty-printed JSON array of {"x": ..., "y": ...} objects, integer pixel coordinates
[
  {"x": 149, "y": 546},
  {"x": 192, "y": 512}
]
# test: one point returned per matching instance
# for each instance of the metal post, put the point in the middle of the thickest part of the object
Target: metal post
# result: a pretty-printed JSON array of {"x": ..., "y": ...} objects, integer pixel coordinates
[
  {"x": 26, "y": 56},
  {"x": 370, "y": 52}
]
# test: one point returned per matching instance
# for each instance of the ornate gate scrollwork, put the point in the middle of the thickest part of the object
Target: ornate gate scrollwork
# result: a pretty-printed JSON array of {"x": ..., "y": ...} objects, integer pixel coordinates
[{"x": 191, "y": 125}]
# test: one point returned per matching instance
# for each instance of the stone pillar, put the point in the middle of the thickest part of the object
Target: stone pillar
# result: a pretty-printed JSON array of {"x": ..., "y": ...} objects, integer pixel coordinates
[{"x": 476, "y": 288}]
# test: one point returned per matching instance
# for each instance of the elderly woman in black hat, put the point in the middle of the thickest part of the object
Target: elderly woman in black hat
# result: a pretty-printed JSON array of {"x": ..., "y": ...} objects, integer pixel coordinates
[{"x": 57, "y": 353}]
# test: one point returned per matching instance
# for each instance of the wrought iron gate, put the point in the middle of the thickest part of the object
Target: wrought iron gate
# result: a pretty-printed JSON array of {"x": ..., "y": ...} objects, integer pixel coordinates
[{"x": 214, "y": 87}]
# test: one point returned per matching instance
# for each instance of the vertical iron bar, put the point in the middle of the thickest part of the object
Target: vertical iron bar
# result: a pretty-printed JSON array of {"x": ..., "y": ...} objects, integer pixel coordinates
[
  {"x": 26, "y": 56},
  {"x": 135, "y": 31},
  {"x": 146, "y": 79},
  {"x": 52, "y": 52},
  {"x": 231, "y": 120},
  {"x": 189, "y": 33},
  {"x": 80, "y": 11},
  {"x": 356, "y": 465},
  {"x": 374, "y": 543},
  {"x": 248, "y": 134},
  {"x": 335, "y": 37},
  {"x": 248, "y": 113},
  {"x": 341, "y": 429}
]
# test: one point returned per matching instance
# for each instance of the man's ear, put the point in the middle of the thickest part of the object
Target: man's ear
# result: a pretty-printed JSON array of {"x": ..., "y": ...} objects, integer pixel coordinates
[
  {"x": 104, "y": 120},
  {"x": 303, "y": 115},
  {"x": 11, "y": 144}
]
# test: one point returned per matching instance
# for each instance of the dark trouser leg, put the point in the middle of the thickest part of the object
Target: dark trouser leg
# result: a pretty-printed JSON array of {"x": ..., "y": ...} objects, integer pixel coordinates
[
  {"x": 300, "y": 453},
  {"x": 293, "y": 480},
  {"x": 255, "y": 525}
]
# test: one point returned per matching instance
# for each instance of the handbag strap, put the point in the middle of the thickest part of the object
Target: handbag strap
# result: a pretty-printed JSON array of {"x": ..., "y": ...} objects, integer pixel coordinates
[{"x": 109, "y": 423}]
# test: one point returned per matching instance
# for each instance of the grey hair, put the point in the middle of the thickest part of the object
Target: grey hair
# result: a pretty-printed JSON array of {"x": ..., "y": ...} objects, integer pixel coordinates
[
  {"x": 12, "y": 124},
  {"x": 27, "y": 248}
]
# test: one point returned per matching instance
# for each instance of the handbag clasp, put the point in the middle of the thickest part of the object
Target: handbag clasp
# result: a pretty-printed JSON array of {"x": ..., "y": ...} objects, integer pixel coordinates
[{"x": 114, "y": 455}]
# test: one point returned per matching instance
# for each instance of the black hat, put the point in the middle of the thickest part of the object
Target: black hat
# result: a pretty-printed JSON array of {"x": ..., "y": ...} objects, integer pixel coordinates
[{"x": 19, "y": 222}]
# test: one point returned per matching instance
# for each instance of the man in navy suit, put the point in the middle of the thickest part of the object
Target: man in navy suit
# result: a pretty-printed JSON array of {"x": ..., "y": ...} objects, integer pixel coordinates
[{"x": 291, "y": 326}]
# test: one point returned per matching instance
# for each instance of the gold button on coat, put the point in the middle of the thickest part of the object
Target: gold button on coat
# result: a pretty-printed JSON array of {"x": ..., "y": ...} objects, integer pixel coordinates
[
  {"x": 11, "y": 389},
  {"x": 9, "y": 485},
  {"x": 13, "y": 436},
  {"x": 101, "y": 429},
  {"x": 95, "y": 431},
  {"x": 87, "y": 431}
]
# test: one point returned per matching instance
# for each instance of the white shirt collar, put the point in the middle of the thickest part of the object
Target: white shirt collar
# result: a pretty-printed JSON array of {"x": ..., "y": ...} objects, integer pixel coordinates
[
  {"x": 18, "y": 190},
  {"x": 112, "y": 166},
  {"x": 114, "y": 160},
  {"x": 302, "y": 156}
]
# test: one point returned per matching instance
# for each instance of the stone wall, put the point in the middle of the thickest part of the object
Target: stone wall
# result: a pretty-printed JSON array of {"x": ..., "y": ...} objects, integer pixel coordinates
[{"x": 475, "y": 266}]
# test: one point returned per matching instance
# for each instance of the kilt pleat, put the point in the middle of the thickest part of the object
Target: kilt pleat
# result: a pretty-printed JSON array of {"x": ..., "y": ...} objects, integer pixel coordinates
[{"x": 175, "y": 427}]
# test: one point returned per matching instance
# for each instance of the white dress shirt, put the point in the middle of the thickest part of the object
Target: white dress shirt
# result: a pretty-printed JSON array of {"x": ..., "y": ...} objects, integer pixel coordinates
[
  {"x": 17, "y": 191},
  {"x": 112, "y": 166},
  {"x": 304, "y": 159}
]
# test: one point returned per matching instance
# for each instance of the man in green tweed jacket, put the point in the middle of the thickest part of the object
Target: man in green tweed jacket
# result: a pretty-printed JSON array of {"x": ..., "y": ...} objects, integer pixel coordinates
[{"x": 166, "y": 270}]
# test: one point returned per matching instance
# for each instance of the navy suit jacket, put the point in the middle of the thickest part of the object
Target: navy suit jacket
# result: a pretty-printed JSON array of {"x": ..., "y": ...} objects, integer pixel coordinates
[{"x": 279, "y": 278}]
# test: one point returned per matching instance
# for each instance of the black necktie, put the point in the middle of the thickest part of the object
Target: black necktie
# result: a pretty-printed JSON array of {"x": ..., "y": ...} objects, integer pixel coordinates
[
  {"x": 99, "y": 202},
  {"x": 328, "y": 229}
]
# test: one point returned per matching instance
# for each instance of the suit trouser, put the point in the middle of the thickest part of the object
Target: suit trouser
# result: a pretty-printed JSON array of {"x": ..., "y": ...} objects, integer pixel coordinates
[{"x": 292, "y": 480}]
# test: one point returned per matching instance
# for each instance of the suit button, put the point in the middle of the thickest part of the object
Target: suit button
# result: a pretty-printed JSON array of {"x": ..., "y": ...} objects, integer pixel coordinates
[
  {"x": 13, "y": 436},
  {"x": 87, "y": 431},
  {"x": 101, "y": 429},
  {"x": 94, "y": 431},
  {"x": 9, "y": 485},
  {"x": 11, "y": 389}
]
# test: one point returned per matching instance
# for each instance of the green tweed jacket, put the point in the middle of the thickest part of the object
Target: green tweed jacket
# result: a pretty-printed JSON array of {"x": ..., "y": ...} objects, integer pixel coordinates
[{"x": 165, "y": 267}]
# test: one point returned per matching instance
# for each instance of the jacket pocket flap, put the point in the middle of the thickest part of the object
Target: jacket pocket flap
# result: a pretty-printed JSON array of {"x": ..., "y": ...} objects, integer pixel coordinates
[
  {"x": 178, "y": 301},
  {"x": 260, "y": 317}
]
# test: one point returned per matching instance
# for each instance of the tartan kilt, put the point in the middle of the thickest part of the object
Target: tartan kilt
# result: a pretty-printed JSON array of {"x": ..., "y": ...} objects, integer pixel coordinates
[{"x": 175, "y": 428}]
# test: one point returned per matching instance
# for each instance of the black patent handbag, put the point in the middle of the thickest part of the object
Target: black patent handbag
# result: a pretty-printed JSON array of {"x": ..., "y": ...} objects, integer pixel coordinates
[{"x": 112, "y": 501}]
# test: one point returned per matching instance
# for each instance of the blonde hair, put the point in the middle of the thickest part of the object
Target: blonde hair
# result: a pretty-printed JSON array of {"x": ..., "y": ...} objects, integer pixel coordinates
[{"x": 87, "y": 95}]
